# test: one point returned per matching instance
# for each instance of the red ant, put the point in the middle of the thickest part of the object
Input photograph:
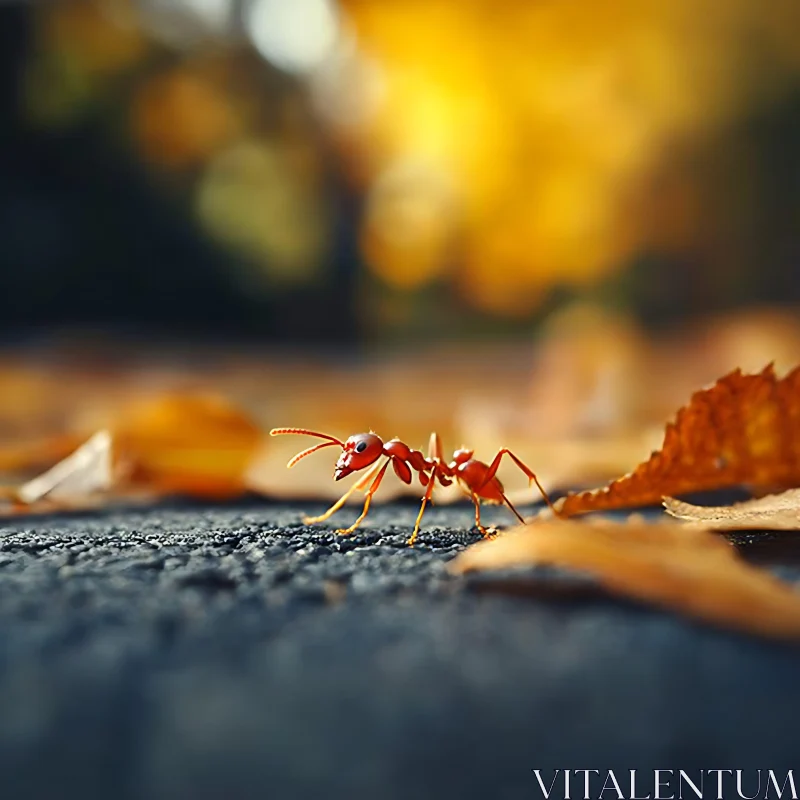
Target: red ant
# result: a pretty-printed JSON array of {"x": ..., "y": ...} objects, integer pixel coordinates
[{"x": 364, "y": 449}]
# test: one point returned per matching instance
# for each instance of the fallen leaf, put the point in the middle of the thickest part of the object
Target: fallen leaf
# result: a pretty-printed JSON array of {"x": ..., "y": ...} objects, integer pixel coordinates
[
  {"x": 744, "y": 430},
  {"x": 668, "y": 564},
  {"x": 78, "y": 481},
  {"x": 193, "y": 444},
  {"x": 81, "y": 475},
  {"x": 773, "y": 512},
  {"x": 21, "y": 456}
]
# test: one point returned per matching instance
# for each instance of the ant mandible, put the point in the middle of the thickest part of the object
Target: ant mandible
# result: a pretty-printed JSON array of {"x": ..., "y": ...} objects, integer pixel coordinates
[{"x": 365, "y": 449}]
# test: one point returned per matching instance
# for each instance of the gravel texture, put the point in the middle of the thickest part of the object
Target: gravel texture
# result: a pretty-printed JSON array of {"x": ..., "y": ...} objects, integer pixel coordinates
[{"x": 233, "y": 652}]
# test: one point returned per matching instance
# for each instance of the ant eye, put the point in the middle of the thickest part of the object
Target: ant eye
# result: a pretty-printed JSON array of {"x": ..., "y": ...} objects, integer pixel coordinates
[{"x": 361, "y": 447}]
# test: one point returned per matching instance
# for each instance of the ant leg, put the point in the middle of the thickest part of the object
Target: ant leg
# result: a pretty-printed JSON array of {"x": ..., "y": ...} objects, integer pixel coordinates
[
  {"x": 511, "y": 506},
  {"x": 435, "y": 447},
  {"x": 531, "y": 476},
  {"x": 359, "y": 484},
  {"x": 478, "y": 525},
  {"x": 436, "y": 455},
  {"x": 371, "y": 491},
  {"x": 426, "y": 497}
]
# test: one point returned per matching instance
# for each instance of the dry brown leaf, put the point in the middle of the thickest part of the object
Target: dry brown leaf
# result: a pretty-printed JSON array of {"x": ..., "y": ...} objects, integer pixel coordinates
[
  {"x": 671, "y": 565},
  {"x": 774, "y": 512},
  {"x": 186, "y": 443},
  {"x": 743, "y": 430},
  {"x": 192, "y": 444}
]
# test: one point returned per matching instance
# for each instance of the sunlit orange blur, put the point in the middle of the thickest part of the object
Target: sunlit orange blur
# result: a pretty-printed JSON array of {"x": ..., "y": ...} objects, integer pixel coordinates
[{"x": 529, "y": 134}]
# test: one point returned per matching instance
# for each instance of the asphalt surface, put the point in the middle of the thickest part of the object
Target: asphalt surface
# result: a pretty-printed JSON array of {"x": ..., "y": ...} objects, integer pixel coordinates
[{"x": 233, "y": 652}]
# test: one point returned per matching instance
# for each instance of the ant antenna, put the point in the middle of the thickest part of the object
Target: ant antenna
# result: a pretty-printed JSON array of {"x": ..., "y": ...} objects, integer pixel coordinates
[{"x": 331, "y": 440}]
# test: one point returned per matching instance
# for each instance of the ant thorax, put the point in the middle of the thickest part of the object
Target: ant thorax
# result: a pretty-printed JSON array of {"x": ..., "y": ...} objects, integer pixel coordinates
[{"x": 462, "y": 455}]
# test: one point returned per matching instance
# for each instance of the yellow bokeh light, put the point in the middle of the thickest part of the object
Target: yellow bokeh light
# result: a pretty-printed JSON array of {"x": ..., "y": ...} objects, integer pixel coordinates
[
  {"x": 408, "y": 227},
  {"x": 545, "y": 119}
]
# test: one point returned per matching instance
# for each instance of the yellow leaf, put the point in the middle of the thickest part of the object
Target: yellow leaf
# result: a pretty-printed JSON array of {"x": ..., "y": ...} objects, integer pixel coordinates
[
  {"x": 676, "y": 567},
  {"x": 194, "y": 444}
]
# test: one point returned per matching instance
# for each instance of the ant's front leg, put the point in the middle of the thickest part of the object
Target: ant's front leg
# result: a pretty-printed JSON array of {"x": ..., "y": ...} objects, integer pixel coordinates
[
  {"x": 371, "y": 491},
  {"x": 359, "y": 484}
]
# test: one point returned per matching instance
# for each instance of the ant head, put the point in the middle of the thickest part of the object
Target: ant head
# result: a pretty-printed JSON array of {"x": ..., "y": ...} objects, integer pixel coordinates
[
  {"x": 359, "y": 451},
  {"x": 462, "y": 456}
]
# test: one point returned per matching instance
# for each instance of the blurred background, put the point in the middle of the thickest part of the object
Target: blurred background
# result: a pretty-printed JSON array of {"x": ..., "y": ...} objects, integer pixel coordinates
[{"x": 540, "y": 223}]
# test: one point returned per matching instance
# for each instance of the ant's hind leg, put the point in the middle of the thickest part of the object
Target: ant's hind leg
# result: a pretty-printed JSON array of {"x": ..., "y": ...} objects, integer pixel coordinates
[
  {"x": 371, "y": 491},
  {"x": 359, "y": 484},
  {"x": 513, "y": 510},
  {"x": 492, "y": 471}
]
